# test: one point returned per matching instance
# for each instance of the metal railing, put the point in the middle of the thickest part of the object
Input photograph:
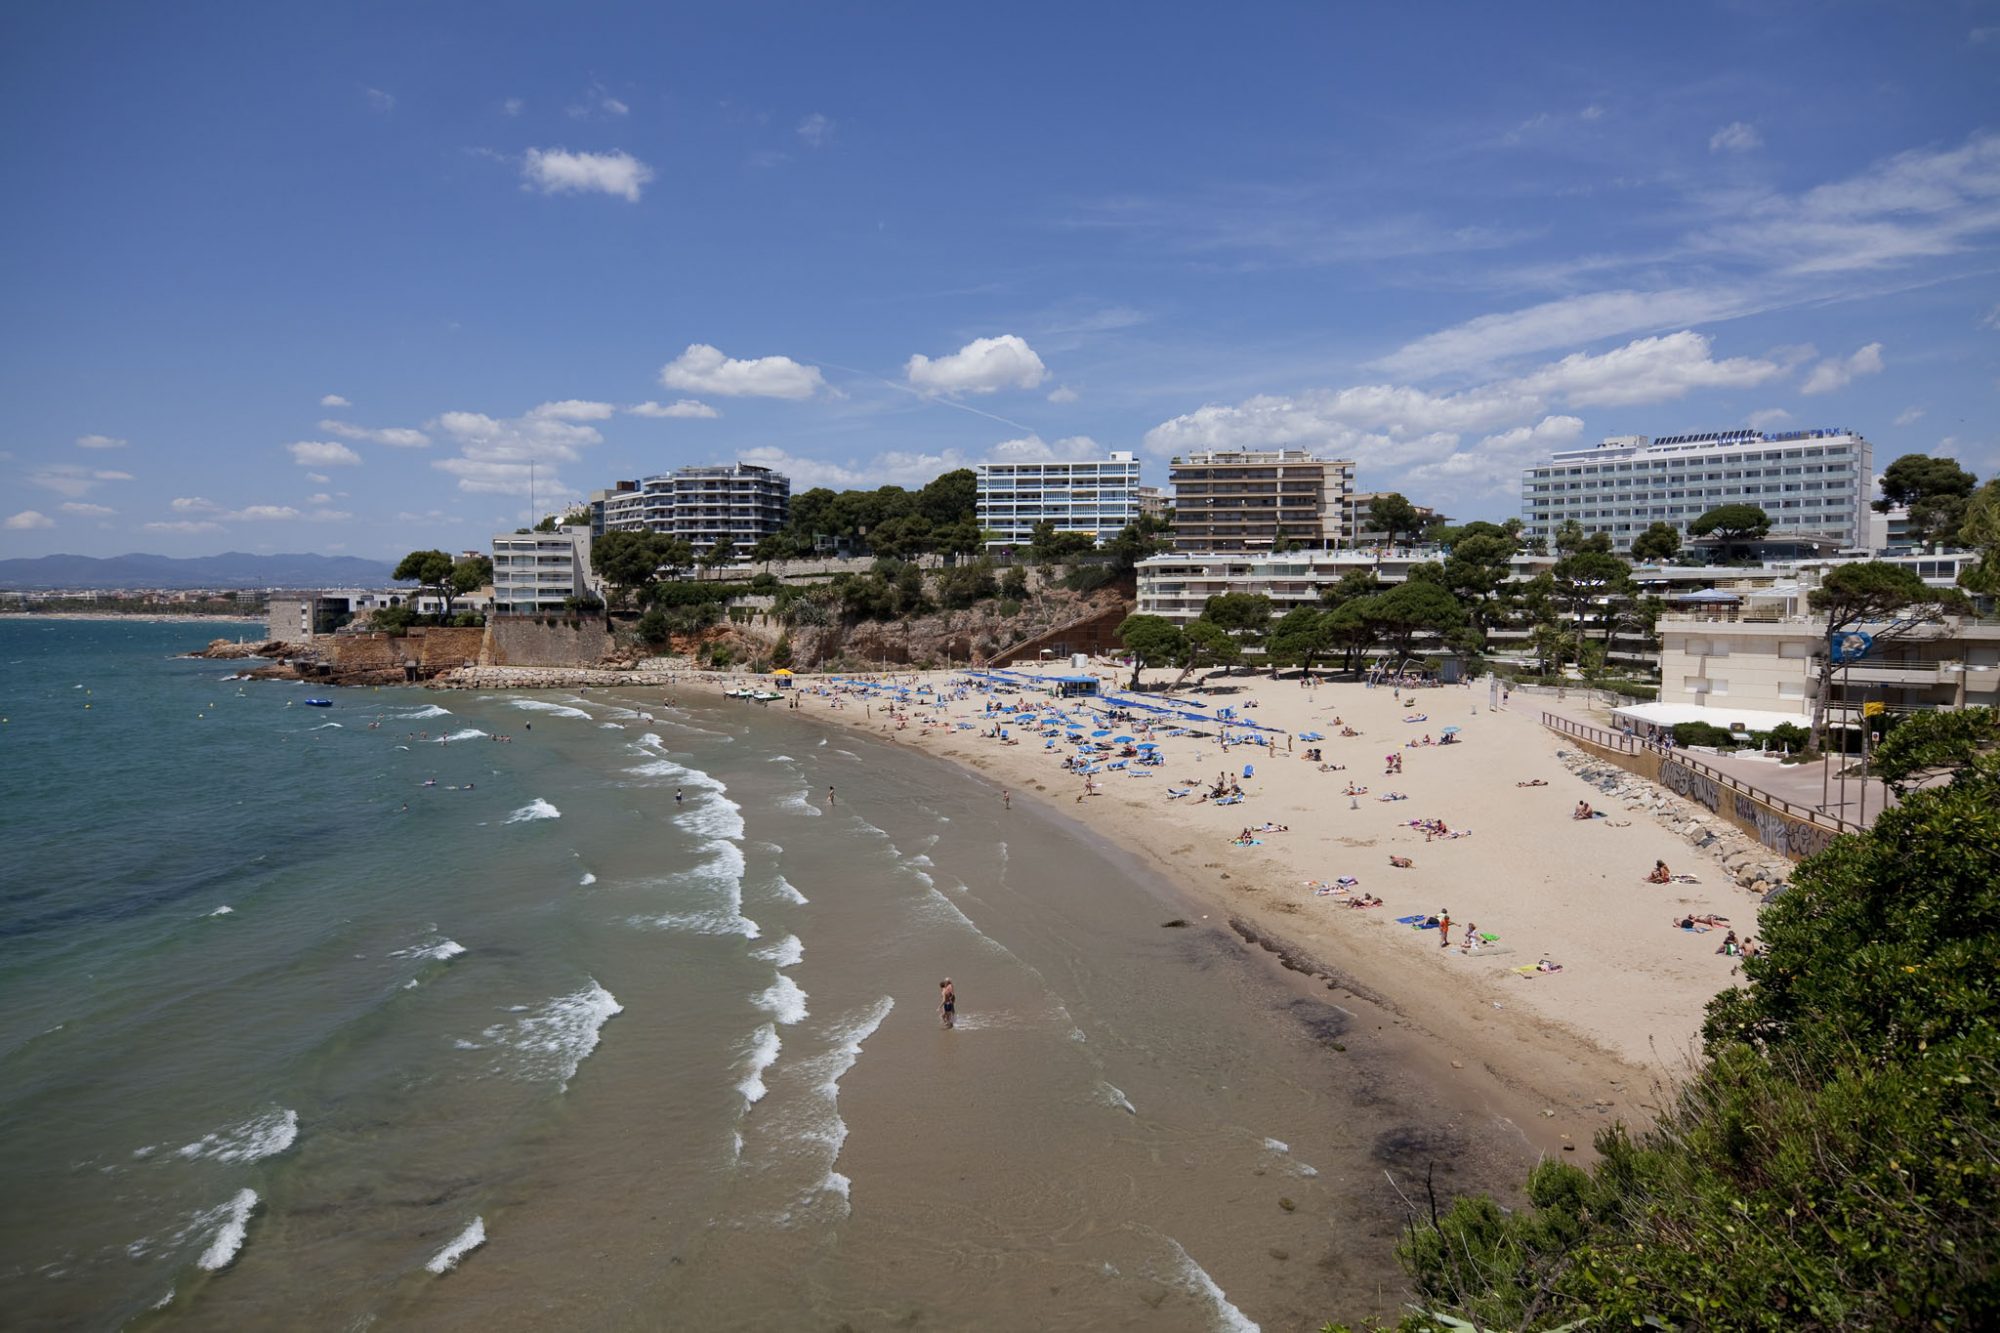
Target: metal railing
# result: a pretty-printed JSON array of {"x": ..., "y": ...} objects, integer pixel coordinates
[{"x": 1629, "y": 744}]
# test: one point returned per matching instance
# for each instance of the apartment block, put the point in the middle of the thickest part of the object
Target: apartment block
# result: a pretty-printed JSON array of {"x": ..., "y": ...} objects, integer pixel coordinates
[
  {"x": 1245, "y": 500},
  {"x": 742, "y": 502},
  {"x": 1099, "y": 497},
  {"x": 1812, "y": 483},
  {"x": 539, "y": 571}
]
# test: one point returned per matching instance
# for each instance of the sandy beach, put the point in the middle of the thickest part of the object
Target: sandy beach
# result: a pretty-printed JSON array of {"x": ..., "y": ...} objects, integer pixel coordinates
[{"x": 1557, "y": 1052}]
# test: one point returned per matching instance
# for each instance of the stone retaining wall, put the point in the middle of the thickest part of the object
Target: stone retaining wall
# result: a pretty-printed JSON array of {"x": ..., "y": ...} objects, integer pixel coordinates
[{"x": 1784, "y": 833}]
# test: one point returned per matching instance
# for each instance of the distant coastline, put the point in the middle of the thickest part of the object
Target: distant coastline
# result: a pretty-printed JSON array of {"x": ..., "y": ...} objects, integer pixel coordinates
[{"x": 141, "y": 617}]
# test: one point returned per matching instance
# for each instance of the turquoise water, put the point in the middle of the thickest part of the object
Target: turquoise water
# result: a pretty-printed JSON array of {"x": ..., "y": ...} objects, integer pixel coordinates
[{"x": 313, "y": 1019}]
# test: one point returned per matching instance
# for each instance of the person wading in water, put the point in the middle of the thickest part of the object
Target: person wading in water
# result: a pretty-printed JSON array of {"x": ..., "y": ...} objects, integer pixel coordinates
[{"x": 947, "y": 1003}]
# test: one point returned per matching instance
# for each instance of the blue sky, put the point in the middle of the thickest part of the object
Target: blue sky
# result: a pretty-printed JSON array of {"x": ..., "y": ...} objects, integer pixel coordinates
[{"x": 328, "y": 277}]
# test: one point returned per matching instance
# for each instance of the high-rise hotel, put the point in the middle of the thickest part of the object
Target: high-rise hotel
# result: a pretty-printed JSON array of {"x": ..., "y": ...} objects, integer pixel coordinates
[{"x": 1812, "y": 483}]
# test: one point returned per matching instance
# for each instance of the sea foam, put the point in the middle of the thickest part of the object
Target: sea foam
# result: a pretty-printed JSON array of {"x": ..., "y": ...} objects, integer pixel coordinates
[
  {"x": 781, "y": 953},
  {"x": 233, "y": 1219},
  {"x": 764, "y": 1046},
  {"x": 556, "y": 710},
  {"x": 841, "y": 1057},
  {"x": 428, "y": 710},
  {"x": 783, "y": 1000},
  {"x": 461, "y": 1245},
  {"x": 259, "y": 1137},
  {"x": 433, "y": 951},
  {"x": 554, "y": 1039},
  {"x": 1196, "y": 1279},
  {"x": 462, "y": 734},
  {"x": 535, "y": 809}
]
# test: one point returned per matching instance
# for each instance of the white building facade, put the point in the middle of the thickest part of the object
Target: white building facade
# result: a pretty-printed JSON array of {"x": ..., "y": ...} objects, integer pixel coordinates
[
  {"x": 1099, "y": 497},
  {"x": 537, "y": 572},
  {"x": 741, "y": 502},
  {"x": 1810, "y": 483}
]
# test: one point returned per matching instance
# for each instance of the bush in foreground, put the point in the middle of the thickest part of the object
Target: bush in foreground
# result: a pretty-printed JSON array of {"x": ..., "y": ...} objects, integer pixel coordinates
[{"x": 1835, "y": 1161}]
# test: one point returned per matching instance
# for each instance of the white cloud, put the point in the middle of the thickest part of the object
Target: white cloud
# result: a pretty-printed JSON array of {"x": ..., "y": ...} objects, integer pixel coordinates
[
  {"x": 334, "y": 400},
  {"x": 318, "y": 478},
  {"x": 686, "y": 409},
  {"x": 1062, "y": 393},
  {"x": 1591, "y": 112},
  {"x": 1034, "y": 449},
  {"x": 398, "y": 437},
  {"x": 597, "y": 99},
  {"x": 322, "y": 453},
  {"x": 895, "y": 467},
  {"x": 1909, "y": 416},
  {"x": 265, "y": 514},
  {"x": 1769, "y": 417},
  {"x": 1649, "y": 370},
  {"x": 72, "y": 480},
  {"x": 322, "y": 498},
  {"x": 1918, "y": 204},
  {"x": 704, "y": 369},
  {"x": 512, "y": 455},
  {"x": 1562, "y": 323},
  {"x": 1497, "y": 459},
  {"x": 815, "y": 129},
  {"x": 574, "y": 409},
  {"x": 195, "y": 504},
  {"x": 29, "y": 518},
  {"x": 513, "y": 106},
  {"x": 86, "y": 510},
  {"x": 981, "y": 366},
  {"x": 559, "y": 171},
  {"x": 1735, "y": 137},
  {"x": 99, "y": 442},
  {"x": 1992, "y": 320},
  {"x": 184, "y": 526},
  {"x": 380, "y": 100},
  {"x": 1836, "y": 373}
]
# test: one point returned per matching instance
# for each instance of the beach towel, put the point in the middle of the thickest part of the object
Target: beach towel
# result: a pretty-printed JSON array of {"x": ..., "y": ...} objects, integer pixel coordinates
[
  {"x": 1425, "y": 925},
  {"x": 1686, "y": 879},
  {"x": 1409, "y": 920}
]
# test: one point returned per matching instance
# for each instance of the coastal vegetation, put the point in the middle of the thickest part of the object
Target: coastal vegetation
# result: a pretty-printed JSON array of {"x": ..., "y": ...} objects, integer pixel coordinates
[{"x": 1833, "y": 1161}]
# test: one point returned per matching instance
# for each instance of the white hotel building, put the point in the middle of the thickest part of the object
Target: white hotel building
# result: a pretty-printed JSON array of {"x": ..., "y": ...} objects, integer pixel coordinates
[
  {"x": 1811, "y": 483},
  {"x": 1099, "y": 497}
]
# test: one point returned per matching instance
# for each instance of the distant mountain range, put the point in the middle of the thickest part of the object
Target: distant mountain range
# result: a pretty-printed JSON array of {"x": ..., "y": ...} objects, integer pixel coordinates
[{"x": 231, "y": 569}]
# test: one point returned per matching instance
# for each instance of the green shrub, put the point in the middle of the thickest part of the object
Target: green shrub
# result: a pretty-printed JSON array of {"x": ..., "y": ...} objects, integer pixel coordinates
[
  {"x": 1088, "y": 578},
  {"x": 1834, "y": 1163},
  {"x": 1009, "y": 608},
  {"x": 1705, "y": 733}
]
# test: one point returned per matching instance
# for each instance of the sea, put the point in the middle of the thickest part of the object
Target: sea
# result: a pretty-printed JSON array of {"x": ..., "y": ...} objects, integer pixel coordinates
[{"x": 595, "y": 1010}]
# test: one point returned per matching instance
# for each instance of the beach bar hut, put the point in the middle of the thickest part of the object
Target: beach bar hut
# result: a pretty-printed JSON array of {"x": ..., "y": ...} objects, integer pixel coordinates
[
  {"x": 1073, "y": 687},
  {"x": 781, "y": 679}
]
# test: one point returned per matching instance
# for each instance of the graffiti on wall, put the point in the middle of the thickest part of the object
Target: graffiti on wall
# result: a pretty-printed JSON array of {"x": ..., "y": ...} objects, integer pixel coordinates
[
  {"x": 1678, "y": 778},
  {"x": 1782, "y": 833}
]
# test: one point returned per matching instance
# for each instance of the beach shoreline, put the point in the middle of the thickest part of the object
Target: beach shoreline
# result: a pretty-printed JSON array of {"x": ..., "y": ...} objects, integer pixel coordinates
[{"x": 1557, "y": 1062}]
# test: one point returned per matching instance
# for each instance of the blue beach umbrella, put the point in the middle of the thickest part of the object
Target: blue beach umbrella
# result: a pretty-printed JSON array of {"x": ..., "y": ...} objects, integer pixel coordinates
[
  {"x": 1123, "y": 740},
  {"x": 1148, "y": 745},
  {"x": 1102, "y": 732}
]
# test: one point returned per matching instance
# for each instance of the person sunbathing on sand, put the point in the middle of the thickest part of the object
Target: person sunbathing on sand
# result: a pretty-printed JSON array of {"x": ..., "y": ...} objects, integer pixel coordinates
[
  {"x": 1583, "y": 810},
  {"x": 1536, "y": 783},
  {"x": 1349, "y": 731},
  {"x": 1401, "y": 862},
  {"x": 1548, "y": 965},
  {"x": 1364, "y": 901},
  {"x": 1660, "y": 875}
]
